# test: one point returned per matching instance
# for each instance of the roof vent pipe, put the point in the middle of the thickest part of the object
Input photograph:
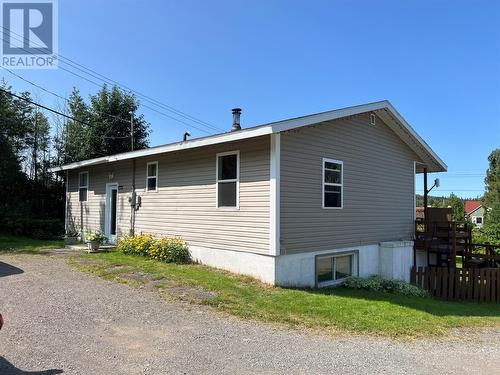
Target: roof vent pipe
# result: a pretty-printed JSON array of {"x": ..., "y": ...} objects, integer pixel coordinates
[
  {"x": 185, "y": 136},
  {"x": 236, "y": 119}
]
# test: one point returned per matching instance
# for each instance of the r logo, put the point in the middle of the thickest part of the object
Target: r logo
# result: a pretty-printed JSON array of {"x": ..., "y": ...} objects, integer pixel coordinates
[{"x": 28, "y": 29}]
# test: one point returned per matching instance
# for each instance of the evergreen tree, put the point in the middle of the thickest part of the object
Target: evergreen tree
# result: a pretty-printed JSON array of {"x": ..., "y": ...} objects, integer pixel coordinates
[
  {"x": 75, "y": 136},
  {"x": 457, "y": 206},
  {"x": 491, "y": 199},
  {"x": 110, "y": 133},
  {"x": 103, "y": 126}
]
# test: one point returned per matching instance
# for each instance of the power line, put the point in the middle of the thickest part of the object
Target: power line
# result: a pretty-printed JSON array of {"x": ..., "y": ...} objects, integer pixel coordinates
[
  {"x": 97, "y": 84},
  {"x": 144, "y": 105},
  {"x": 57, "y": 95},
  {"x": 53, "y": 111},
  {"x": 105, "y": 79}
]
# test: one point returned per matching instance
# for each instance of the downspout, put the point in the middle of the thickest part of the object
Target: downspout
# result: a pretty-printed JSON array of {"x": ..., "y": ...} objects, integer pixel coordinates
[
  {"x": 133, "y": 200},
  {"x": 425, "y": 195},
  {"x": 132, "y": 203},
  {"x": 66, "y": 203}
]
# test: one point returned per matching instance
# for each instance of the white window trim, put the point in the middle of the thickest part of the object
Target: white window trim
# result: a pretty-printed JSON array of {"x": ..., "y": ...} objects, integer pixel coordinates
[
  {"x": 237, "y": 180},
  {"x": 354, "y": 267},
  {"x": 148, "y": 177},
  {"x": 83, "y": 186},
  {"x": 325, "y": 160}
]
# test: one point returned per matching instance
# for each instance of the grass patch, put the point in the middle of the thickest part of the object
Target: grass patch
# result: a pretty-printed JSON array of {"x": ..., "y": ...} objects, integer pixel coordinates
[
  {"x": 327, "y": 310},
  {"x": 9, "y": 243}
]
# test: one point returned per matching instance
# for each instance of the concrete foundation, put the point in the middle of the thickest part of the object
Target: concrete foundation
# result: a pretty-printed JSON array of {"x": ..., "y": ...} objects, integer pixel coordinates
[
  {"x": 391, "y": 260},
  {"x": 256, "y": 265}
]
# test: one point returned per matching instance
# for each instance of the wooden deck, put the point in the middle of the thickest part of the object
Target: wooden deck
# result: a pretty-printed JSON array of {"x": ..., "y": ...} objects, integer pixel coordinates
[{"x": 444, "y": 241}]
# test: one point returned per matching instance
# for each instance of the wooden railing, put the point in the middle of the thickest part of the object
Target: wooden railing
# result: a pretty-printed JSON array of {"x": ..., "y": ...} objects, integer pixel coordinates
[
  {"x": 444, "y": 239},
  {"x": 459, "y": 284},
  {"x": 481, "y": 255}
]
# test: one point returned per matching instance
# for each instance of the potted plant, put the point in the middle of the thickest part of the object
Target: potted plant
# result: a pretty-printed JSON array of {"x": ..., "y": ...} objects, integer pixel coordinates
[
  {"x": 94, "y": 240},
  {"x": 72, "y": 236}
]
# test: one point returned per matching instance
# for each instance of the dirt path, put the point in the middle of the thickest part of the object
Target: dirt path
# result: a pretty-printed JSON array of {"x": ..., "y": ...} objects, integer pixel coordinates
[{"x": 61, "y": 320}]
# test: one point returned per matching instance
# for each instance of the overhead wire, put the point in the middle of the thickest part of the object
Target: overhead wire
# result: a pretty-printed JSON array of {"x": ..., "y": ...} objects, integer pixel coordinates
[
  {"x": 55, "y": 111},
  {"x": 75, "y": 65}
]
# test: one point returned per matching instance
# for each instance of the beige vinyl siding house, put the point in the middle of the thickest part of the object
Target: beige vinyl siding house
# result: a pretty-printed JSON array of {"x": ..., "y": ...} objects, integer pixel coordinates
[
  {"x": 294, "y": 202},
  {"x": 184, "y": 203},
  {"x": 378, "y": 177}
]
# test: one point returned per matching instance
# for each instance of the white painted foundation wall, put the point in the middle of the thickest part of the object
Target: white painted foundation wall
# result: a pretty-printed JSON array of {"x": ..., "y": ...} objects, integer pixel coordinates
[
  {"x": 262, "y": 267},
  {"x": 392, "y": 260}
]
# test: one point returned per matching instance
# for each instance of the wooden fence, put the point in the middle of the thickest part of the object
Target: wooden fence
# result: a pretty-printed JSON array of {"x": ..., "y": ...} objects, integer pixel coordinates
[{"x": 459, "y": 284}]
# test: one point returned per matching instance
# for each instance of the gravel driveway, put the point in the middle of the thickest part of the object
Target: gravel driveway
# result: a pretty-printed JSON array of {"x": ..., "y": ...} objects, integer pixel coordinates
[{"x": 61, "y": 320}]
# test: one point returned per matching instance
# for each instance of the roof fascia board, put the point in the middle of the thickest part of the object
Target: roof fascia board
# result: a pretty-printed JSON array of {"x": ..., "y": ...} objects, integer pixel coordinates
[
  {"x": 265, "y": 129},
  {"x": 414, "y": 134},
  {"x": 206, "y": 141},
  {"x": 298, "y": 122},
  {"x": 351, "y": 111}
]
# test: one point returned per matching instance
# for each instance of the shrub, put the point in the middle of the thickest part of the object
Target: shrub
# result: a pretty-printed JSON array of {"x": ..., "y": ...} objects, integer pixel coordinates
[
  {"x": 489, "y": 233},
  {"x": 379, "y": 284},
  {"x": 24, "y": 225},
  {"x": 136, "y": 245},
  {"x": 164, "y": 249}
]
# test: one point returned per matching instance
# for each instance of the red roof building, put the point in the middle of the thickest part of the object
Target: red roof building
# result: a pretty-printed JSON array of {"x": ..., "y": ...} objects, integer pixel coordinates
[{"x": 471, "y": 206}]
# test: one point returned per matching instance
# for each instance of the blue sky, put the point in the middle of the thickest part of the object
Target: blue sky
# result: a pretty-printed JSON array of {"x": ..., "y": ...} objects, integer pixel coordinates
[{"x": 438, "y": 62}]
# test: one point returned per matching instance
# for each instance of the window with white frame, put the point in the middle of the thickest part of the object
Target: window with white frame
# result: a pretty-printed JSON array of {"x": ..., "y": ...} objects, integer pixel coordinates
[
  {"x": 331, "y": 269},
  {"x": 83, "y": 186},
  {"x": 152, "y": 176},
  {"x": 228, "y": 175},
  {"x": 477, "y": 219},
  {"x": 333, "y": 183}
]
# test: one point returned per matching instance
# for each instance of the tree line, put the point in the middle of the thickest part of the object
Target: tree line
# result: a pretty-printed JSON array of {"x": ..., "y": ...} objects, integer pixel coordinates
[{"x": 33, "y": 139}]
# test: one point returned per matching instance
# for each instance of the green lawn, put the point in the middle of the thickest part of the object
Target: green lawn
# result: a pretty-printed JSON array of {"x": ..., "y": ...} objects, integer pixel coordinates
[
  {"x": 332, "y": 310},
  {"x": 23, "y": 244}
]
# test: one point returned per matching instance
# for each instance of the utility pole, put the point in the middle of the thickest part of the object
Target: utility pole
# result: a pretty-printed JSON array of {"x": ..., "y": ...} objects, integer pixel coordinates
[
  {"x": 131, "y": 131},
  {"x": 34, "y": 170}
]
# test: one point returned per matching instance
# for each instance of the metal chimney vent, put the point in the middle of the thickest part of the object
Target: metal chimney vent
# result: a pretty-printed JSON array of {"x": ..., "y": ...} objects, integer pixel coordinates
[{"x": 236, "y": 119}]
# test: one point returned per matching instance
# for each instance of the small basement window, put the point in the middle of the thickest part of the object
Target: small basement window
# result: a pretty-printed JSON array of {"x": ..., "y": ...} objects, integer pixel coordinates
[
  {"x": 332, "y": 269},
  {"x": 83, "y": 186},
  {"x": 228, "y": 179},
  {"x": 152, "y": 176},
  {"x": 333, "y": 179}
]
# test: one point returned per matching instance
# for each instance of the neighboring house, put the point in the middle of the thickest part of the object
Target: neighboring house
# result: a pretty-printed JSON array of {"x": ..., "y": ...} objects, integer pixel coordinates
[
  {"x": 475, "y": 211},
  {"x": 294, "y": 202}
]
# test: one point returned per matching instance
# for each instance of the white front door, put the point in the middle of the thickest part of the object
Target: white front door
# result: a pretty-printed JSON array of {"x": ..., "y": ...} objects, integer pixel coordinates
[{"x": 111, "y": 212}]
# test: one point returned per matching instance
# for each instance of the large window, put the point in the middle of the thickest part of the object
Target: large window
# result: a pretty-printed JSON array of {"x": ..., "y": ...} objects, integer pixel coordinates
[
  {"x": 83, "y": 186},
  {"x": 228, "y": 175},
  {"x": 333, "y": 183},
  {"x": 332, "y": 269},
  {"x": 152, "y": 176}
]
